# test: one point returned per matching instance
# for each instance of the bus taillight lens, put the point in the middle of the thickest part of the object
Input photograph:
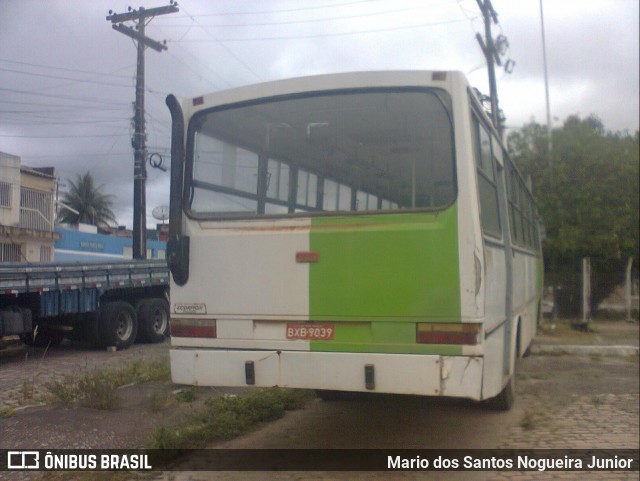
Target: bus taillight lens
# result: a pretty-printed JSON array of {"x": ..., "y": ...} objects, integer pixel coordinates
[
  {"x": 467, "y": 334},
  {"x": 193, "y": 328}
]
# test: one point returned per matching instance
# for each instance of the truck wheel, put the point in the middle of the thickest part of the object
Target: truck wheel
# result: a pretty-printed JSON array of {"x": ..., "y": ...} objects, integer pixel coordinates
[
  {"x": 118, "y": 325},
  {"x": 153, "y": 320}
]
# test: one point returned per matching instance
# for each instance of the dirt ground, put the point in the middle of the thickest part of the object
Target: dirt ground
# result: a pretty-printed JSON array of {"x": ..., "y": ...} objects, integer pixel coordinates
[
  {"x": 543, "y": 383},
  {"x": 141, "y": 410}
]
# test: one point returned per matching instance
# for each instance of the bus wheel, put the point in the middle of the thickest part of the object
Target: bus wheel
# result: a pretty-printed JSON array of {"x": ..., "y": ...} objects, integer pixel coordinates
[
  {"x": 153, "y": 320},
  {"x": 504, "y": 401},
  {"x": 118, "y": 325}
]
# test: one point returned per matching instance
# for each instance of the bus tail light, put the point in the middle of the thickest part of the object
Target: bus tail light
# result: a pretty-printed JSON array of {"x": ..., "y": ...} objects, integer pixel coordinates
[
  {"x": 193, "y": 328},
  {"x": 468, "y": 334}
]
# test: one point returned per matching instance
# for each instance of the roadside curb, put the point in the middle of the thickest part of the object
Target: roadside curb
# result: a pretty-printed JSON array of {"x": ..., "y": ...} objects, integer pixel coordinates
[{"x": 587, "y": 350}]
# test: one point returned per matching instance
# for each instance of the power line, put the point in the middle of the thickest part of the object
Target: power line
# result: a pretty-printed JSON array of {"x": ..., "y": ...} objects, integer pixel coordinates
[
  {"x": 67, "y": 107},
  {"x": 26, "y": 121},
  {"x": 260, "y": 12},
  {"x": 64, "y": 69},
  {"x": 202, "y": 64},
  {"x": 314, "y": 20},
  {"x": 339, "y": 34},
  {"x": 56, "y": 77},
  {"x": 59, "y": 136},
  {"x": 165, "y": 151},
  {"x": 56, "y": 96},
  {"x": 467, "y": 13},
  {"x": 71, "y": 81},
  {"x": 227, "y": 49}
]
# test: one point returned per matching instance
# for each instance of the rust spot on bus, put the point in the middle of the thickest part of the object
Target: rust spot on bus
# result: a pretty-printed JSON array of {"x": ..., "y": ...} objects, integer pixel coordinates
[{"x": 307, "y": 256}]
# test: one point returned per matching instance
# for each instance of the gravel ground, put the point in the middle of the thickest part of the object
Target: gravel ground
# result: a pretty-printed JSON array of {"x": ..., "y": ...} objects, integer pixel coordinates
[{"x": 570, "y": 400}]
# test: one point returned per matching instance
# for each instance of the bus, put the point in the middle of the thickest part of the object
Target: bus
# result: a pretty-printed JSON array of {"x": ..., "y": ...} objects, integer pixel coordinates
[{"x": 359, "y": 232}]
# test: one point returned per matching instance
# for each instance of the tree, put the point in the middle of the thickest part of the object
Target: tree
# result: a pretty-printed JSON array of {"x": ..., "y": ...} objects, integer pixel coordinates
[
  {"x": 87, "y": 199},
  {"x": 587, "y": 194}
]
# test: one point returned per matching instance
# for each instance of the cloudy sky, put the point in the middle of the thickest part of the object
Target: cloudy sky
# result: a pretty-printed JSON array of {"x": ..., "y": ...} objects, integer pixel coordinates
[{"x": 67, "y": 79}]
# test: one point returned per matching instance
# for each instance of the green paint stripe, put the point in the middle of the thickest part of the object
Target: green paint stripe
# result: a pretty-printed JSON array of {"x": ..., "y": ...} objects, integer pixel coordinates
[{"x": 388, "y": 268}]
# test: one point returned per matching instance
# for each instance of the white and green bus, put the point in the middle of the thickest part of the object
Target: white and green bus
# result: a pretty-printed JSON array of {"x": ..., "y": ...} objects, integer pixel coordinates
[{"x": 350, "y": 232}]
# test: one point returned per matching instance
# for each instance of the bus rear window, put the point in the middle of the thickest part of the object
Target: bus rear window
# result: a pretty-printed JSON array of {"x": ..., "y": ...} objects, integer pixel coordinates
[{"x": 359, "y": 151}]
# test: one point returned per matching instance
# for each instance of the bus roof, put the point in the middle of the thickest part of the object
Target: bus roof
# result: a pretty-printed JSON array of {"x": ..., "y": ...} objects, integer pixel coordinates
[{"x": 333, "y": 81}]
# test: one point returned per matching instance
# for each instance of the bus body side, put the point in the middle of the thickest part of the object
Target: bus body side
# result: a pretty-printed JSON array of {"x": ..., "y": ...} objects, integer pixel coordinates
[{"x": 397, "y": 302}]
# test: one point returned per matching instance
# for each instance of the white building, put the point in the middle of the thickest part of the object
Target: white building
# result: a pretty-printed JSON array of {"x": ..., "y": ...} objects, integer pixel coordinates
[{"x": 26, "y": 211}]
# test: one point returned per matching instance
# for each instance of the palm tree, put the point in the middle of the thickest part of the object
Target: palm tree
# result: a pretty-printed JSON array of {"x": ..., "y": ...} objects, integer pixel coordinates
[{"x": 87, "y": 199}]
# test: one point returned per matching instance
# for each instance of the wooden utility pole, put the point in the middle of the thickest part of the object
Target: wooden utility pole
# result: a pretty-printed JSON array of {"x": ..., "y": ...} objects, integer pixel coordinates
[
  {"x": 492, "y": 56},
  {"x": 142, "y": 16}
]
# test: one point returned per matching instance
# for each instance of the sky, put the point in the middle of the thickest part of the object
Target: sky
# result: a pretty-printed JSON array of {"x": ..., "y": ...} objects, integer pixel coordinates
[{"x": 67, "y": 79}]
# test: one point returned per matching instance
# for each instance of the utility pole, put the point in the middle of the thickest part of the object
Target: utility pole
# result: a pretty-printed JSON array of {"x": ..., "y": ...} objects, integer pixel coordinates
[
  {"x": 492, "y": 51},
  {"x": 546, "y": 85},
  {"x": 142, "y": 16}
]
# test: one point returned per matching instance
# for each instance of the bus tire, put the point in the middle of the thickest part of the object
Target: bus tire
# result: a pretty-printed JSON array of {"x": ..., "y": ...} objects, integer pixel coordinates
[
  {"x": 153, "y": 320},
  {"x": 504, "y": 401},
  {"x": 118, "y": 325}
]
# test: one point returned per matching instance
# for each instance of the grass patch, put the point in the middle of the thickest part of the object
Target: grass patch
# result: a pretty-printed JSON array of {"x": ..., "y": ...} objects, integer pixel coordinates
[
  {"x": 157, "y": 402},
  {"x": 6, "y": 412},
  {"x": 227, "y": 417},
  {"x": 186, "y": 395},
  {"x": 97, "y": 389},
  {"x": 532, "y": 418}
]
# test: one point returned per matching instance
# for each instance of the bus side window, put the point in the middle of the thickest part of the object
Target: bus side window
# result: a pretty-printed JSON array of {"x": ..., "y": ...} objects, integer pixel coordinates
[
  {"x": 522, "y": 213},
  {"x": 487, "y": 189},
  {"x": 307, "y": 188}
]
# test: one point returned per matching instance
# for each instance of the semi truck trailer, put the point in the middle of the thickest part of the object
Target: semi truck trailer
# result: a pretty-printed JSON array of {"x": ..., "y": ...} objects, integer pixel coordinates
[{"x": 108, "y": 304}]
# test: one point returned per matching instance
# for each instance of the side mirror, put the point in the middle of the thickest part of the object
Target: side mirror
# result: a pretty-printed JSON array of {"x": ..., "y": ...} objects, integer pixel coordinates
[{"x": 177, "y": 244}]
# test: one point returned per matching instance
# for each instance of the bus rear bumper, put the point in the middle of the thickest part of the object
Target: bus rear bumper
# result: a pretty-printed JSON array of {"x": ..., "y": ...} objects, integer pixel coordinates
[{"x": 431, "y": 375}]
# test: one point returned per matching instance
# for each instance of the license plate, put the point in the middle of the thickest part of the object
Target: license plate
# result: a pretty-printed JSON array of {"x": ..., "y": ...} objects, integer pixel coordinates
[{"x": 310, "y": 331}]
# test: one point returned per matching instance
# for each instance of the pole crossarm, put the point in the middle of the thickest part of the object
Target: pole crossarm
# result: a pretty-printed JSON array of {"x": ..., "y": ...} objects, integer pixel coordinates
[
  {"x": 131, "y": 32},
  {"x": 142, "y": 13}
]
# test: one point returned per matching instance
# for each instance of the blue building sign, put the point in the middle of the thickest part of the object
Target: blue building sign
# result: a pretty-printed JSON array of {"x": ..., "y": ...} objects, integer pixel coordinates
[{"x": 75, "y": 245}]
